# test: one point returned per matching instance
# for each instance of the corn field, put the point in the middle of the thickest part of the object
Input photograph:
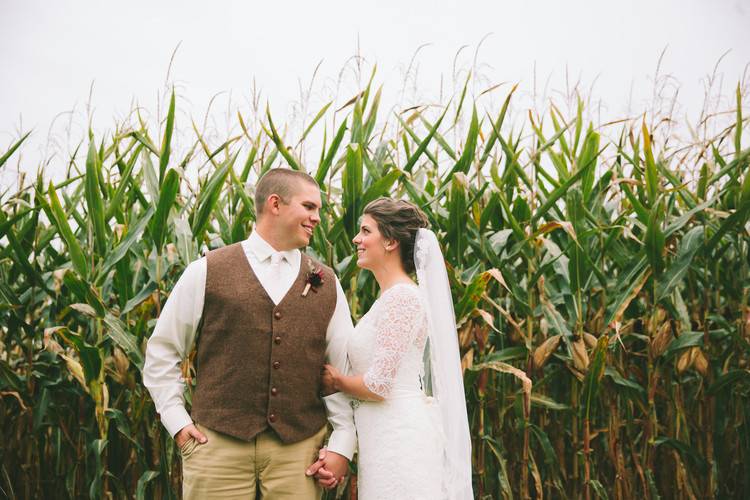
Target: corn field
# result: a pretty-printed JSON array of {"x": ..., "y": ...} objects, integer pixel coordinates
[{"x": 600, "y": 284}]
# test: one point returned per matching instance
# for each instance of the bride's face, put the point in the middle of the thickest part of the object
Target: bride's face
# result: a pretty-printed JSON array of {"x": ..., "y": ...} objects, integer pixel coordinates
[{"x": 371, "y": 246}]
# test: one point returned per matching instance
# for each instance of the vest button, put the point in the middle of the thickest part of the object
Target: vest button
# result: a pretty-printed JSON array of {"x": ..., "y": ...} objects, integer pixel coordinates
[
  {"x": 272, "y": 417},
  {"x": 274, "y": 391},
  {"x": 276, "y": 365},
  {"x": 277, "y": 315},
  {"x": 277, "y": 340}
]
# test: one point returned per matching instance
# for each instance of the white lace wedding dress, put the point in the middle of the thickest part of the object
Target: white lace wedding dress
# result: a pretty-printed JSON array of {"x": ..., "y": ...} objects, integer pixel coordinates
[{"x": 400, "y": 438}]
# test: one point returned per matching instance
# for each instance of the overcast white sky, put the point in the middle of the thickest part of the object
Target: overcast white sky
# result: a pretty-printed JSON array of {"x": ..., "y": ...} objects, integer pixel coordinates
[{"x": 51, "y": 52}]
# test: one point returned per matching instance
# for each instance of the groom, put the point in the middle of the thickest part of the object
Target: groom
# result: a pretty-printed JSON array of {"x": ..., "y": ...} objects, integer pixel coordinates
[{"x": 264, "y": 325}]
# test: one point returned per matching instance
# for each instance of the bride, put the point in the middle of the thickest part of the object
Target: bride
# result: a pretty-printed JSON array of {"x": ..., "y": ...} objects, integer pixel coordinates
[{"x": 411, "y": 446}]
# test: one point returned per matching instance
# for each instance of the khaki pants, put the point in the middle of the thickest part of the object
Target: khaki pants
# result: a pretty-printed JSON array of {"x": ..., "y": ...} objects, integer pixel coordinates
[{"x": 227, "y": 467}]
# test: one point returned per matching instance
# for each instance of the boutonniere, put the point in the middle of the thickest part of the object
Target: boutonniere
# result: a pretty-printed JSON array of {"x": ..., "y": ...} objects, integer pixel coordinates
[{"x": 314, "y": 279}]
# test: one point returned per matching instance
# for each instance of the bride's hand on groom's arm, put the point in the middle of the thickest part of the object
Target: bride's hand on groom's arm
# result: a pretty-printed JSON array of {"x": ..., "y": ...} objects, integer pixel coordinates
[
  {"x": 329, "y": 381},
  {"x": 187, "y": 432},
  {"x": 353, "y": 385}
]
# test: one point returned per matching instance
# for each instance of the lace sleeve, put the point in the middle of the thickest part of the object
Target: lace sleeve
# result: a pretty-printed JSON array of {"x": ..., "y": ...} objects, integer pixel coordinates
[{"x": 398, "y": 326}]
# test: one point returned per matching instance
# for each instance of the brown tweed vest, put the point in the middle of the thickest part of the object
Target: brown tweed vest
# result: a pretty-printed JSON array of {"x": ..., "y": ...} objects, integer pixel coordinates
[{"x": 258, "y": 364}]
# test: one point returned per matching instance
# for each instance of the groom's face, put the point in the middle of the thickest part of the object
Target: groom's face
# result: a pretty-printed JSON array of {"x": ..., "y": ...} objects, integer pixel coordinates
[{"x": 300, "y": 215}]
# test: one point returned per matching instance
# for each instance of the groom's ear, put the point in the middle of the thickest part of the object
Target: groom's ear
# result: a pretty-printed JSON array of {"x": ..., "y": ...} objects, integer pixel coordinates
[{"x": 272, "y": 204}]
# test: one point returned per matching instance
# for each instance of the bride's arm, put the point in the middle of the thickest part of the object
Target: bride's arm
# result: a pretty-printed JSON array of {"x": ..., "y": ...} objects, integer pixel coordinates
[
  {"x": 397, "y": 325},
  {"x": 353, "y": 385}
]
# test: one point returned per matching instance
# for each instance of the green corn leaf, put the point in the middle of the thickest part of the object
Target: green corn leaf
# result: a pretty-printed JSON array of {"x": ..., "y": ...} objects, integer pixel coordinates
[
  {"x": 578, "y": 126},
  {"x": 414, "y": 136},
  {"x": 166, "y": 143},
  {"x": 639, "y": 208},
  {"x": 599, "y": 489},
  {"x": 325, "y": 165},
  {"x": 654, "y": 240},
  {"x": 142, "y": 295},
  {"x": 735, "y": 220},
  {"x": 560, "y": 191},
  {"x": 589, "y": 154},
  {"x": 462, "y": 98},
  {"x": 167, "y": 195},
  {"x": 207, "y": 198},
  {"x": 132, "y": 237},
  {"x": 457, "y": 217},
  {"x": 689, "y": 247},
  {"x": 13, "y": 149},
  {"x": 439, "y": 138},
  {"x": 381, "y": 187},
  {"x": 496, "y": 128},
  {"x": 118, "y": 333},
  {"x": 276, "y": 138},
  {"x": 369, "y": 124},
  {"x": 126, "y": 177},
  {"x": 514, "y": 224},
  {"x": 89, "y": 355},
  {"x": 123, "y": 426},
  {"x": 578, "y": 269},
  {"x": 152, "y": 180},
  {"x": 680, "y": 222},
  {"x": 547, "y": 403},
  {"x": 423, "y": 145},
  {"x": 94, "y": 201},
  {"x": 22, "y": 258},
  {"x": 685, "y": 340},
  {"x": 315, "y": 120},
  {"x": 686, "y": 451},
  {"x": 515, "y": 353},
  {"x": 268, "y": 162},
  {"x": 248, "y": 203},
  {"x": 730, "y": 380},
  {"x": 85, "y": 293},
  {"x": 618, "y": 379},
  {"x": 464, "y": 162},
  {"x": 145, "y": 141},
  {"x": 471, "y": 297},
  {"x": 351, "y": 181},
  {"x": 143, "y": 481},
  {"x": 628, "y": 286},
  {"x": 249, "y": 164},
  {"x": 737, "y": 129},
  {"x": 594, "y": 375},
  {"x": 652, "y": 178},
  {"x": 60, "y": 220},
  {"x": 733, "y": 168},
  {"x": 557, "y": 323}
]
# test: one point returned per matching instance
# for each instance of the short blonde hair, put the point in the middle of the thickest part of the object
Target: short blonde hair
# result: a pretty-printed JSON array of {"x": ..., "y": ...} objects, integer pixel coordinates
[{"x": 283, "y": 182}]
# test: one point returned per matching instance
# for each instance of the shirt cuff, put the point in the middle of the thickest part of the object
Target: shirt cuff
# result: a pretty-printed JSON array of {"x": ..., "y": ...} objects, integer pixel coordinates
[
  {"x": 343, "y": 439},
  {"x": 343, "y": 443},
  {"x": 174, "y": 419}
]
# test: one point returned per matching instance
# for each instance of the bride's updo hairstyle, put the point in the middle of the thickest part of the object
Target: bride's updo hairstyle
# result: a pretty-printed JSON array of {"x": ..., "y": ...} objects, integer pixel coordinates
[{"x": 398, "y": 220}]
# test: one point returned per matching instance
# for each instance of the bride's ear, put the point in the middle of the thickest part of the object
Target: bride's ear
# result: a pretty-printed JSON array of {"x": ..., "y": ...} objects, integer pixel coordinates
[{"x": 391, "y": 245}]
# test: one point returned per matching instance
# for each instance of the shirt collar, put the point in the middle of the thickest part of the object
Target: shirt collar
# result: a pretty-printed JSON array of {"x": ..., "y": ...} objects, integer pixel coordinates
[{"x": 263, "y": 250}]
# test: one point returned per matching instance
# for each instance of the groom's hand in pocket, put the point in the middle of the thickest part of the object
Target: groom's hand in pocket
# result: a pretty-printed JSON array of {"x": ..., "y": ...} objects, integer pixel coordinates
[{"x": 187, "y": 432}]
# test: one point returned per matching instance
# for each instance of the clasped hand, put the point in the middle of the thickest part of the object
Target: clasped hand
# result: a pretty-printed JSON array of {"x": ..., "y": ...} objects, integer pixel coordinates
[{"x": 330, "y": 468}]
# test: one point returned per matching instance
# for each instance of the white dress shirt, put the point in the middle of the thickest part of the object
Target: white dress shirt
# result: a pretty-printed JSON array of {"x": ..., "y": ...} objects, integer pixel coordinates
[{"x": 174, "y": 336}]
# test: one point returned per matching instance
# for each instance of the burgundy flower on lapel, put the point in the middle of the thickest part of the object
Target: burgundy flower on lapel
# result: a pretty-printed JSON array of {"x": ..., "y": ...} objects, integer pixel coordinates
[{"x": 314, "y": 279}]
